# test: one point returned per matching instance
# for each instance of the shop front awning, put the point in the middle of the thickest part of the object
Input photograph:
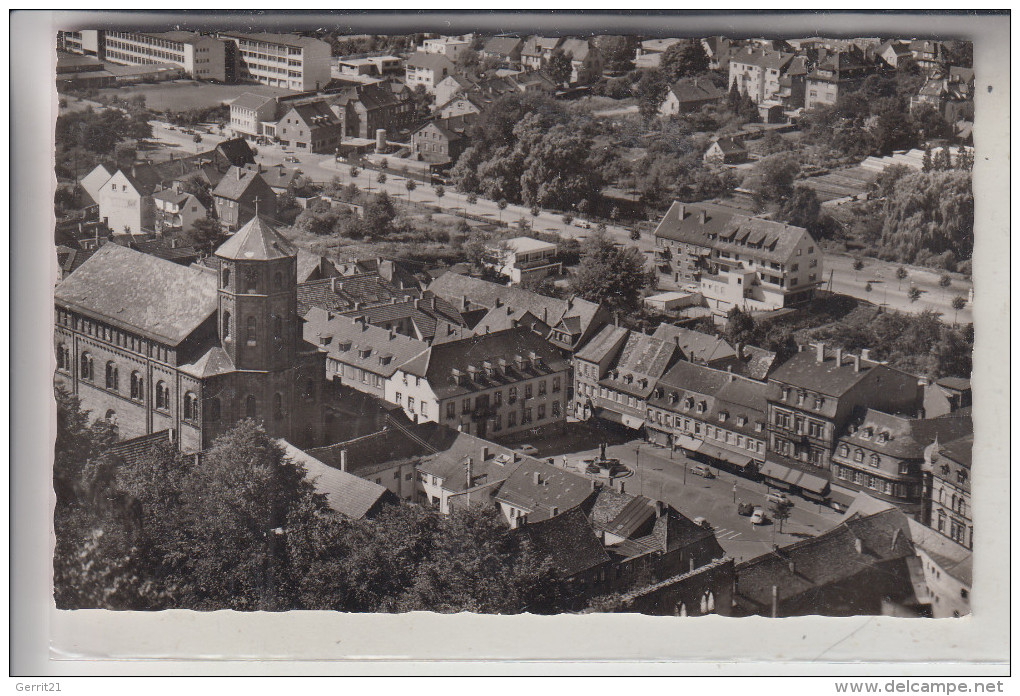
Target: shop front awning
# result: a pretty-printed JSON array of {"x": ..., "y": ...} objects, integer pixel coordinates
[
  {"x": 775, "y": 471},
  {"x": 688, "y": 443},
  {"x": 804, "y": 480},
  {"x": 736, "y": 458},
  {"x": 633, "y": 422},
  {"x": 621, "y": 418}
]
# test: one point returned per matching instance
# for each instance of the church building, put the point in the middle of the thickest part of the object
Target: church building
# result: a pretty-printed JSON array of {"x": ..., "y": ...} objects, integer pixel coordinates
[{"x": 153, "y": 345}]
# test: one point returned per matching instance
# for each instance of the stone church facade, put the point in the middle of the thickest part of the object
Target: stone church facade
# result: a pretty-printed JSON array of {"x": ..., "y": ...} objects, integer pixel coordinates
[{"x": 154, "y": 345}]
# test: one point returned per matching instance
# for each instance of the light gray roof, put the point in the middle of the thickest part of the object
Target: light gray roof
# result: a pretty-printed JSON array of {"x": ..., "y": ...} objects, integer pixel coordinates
[
  {"x": 256, "y": 241},
  {"x": 350, "y": 495}
]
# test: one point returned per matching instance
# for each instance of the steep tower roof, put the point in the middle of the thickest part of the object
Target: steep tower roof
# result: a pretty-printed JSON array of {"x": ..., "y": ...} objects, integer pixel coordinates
[{"x": 256, "y": 241}]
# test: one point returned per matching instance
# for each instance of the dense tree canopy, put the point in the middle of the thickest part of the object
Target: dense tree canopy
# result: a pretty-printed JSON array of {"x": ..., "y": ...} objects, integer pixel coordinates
[
  {"x": 608, "y": 273},
  {"x": 686, "y": 58},
  {"x": 929, "y": 213}
]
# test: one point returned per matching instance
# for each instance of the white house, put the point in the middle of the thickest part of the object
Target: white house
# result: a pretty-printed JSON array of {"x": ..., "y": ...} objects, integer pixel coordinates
[
  {"x": 123, "y": 207},
  {"x": 525, "y": 258}
]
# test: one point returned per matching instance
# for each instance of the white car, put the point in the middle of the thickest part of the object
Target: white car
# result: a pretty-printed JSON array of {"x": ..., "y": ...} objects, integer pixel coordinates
[
  {"x": 758, "y": 516},
  {"x": 527, "y": 449}
]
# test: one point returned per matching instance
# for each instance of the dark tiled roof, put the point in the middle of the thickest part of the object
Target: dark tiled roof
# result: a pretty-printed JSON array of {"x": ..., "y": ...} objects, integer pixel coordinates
[
  {"x": 351, "y": 496},
  {"x": 634, "y": 515},
  {"x": 697, "y": 346},
  {"x": 279, "y": 176},
  {"x": 729, "y": 146},
  {"x": 686, "y": 379},
  {"x": 235, "y": 183},
  {"x": 137, "y": 449},
  {"x": 256, "y": 241},
  {"x": 695, "y": 90},
  {"x": 501, "y": 45},
  {"x": 825, "y": 560},
  {"x": 643, "y": 357},
  {"x": 568, "y": 541},
  {"x": 960, "y": 450},
  {"x": 955, "y": 383},
  {"x": 539, "y": 488},
  {"x": 906, "y": 438},
  {"x": 605, "y": 340},
  {"x": 357, "y": 343},
  {"x": 248, "y": 100},
  {"x": 236, "y": 152},
  {"x": 768, "y": 60},
  {"x": 367, "y": 453},
  {"x": 140, "y": 292},
  {"x": 213, "y": 361},
  {"x": 450, "y": 463},
  {"x": 430, "y": 61},
  {"x": 804, "y": 370}
]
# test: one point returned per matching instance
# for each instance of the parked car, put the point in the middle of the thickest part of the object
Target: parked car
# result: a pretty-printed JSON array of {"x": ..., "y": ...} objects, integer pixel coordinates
[
  {"x": 759, "y": 516},
  {"x": 702, "y": 470},
  {"x": 702, "y": 522},
  {"x": 779, "y": 498},
  {"x": 745, "y": 509},
  {"x": 291, "y": 158},
  {"x": 527, "y": 449}
]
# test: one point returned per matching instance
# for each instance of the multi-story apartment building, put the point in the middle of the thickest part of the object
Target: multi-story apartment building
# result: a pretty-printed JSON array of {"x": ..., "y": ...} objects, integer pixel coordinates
[
  {"x": 812, "y": 399},
  {"x": 442, "y": 140},
  {"x": 735, "y": 260},
  {"x": 491, "y": 385},
  {"x": 883, "y": 454},
  {"x": 616, "y": 372},
  {"x": 86, "y": 42},
  {"x": 449, "y": 46},
  {"x": 204, "y": 57},
  {"x": 946, "y": 495},
  {"x": 248, "y": 114},
  {"x": 310, "y": 126},
  {"x": 289, "y": 61},
  {"x": 713, "y": 415},
  {"x": 835, "y": 74},
  {"x": 757, "y": 72}
]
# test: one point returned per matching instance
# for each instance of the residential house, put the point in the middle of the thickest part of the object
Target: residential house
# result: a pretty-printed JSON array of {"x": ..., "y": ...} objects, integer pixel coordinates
[
  {"x": 928, "y": 54},
  {"x": 718, "y": 49},
  {"x": 505, "y": 49},
  {"x": 706, "y": 349},
  {"x": 126, "y": 204},
  {"x": 241, "y": 194},
  {"x": 493, "y": 385},
  {"x": 834, "y": 74},
  {"x": 757, "y": 72},
  {"x": 690, "y": 94},
  {"x": 428, "y": 70},
  {"x": 572, "y": 322},
  {"x": 575, "y": 551},
  {"x": 442, "y": 140},
  {"x": 449, "y": 46},
  {"x": 366, "y": 109},
  {"x": 176, "y": 211},
  {"x": 310, "y": 126},
  {"x": 866, "y": 565},
  {"x": 537, "y": 50},
  {"x": 616, "y": 373},
  {"x": 946, "y": 395},
  {"x": 891, "y": 52},
  {"x": 883, "y": 454},
  {"x": 813, "y": 398},
  {"x": 946, "y": 489},
  {"x": 452, "y": 85},
  {"x": 726, "y": 151},
  {"x": 537, "y": 491},
  {"x": 352, "y": 496},
  {"x": 951, "y": 96},
  {"x": 523, "y": 259},
  {"x": 735, "y": 260},
  {"x": 948, "y": 571},
  {"x": 293, "y": 62},
  {"x": 586, "y": 62},
  {"x": 279, "y": 177},
  {"x": 249, "y": 112},
  {"x": 792, "y": 90},
  {"x": 359, "y": 355}
]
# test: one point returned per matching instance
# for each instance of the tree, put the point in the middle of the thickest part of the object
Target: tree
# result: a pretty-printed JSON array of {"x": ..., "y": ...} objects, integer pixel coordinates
[
  {"x": 410, "y": 185},
  {"x": 610, "y": 274},
  {"x": 379, "y": 215},
  {"x": 914, "y": 293},
  {"x": 867, "y": 287},
  {"x": 740, "y": 326},
  {"x": 945, "y": 280},
  {"x": 901, "y": 275},
  {"x": 802, "y": 209},
  {"x": 381, "y": 178},
  {"x": 559, "y": 67},
  {"x": 685, "y": 58},
  {"x": 584, "y": 207},
  {"x": 205, "y": 234},
  {"x": 771, "y": 179},
  {"x": 650, "y": 90},
  {"x": 535, "y": 211},
  {"x": 200, "y": 189},
  {"x": 635, "y": 234},
  {"x": 567, "y": 218},
  {"x": 472, "y": 199},
  {"x": 440, "y": 191},
  {"x": 355, "y": 172},
  {"x": 501, "y": 204},
  {"x": 959, "y": 302},
  {"x": 780, "y": 512},
  {"x": 929, "y": 213}
]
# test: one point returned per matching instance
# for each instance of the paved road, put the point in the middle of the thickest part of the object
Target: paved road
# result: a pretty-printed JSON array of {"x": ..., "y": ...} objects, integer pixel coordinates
[
  {"x": 887, "y": 289},
  {"x": 659, "y": 477}
]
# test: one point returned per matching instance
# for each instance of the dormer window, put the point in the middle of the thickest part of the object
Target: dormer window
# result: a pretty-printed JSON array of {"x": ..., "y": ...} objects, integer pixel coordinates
[
  {"x": 867, "y": 433},
  {"x": 883, "y": 437},
  {"x": 701, "y": 407},
  {"x": 786, "y": 393},
  {"x": 741, "y": 421},
  {"x": 722, "y": 416},
  {"x": 364, "y": 352},
  {"x": 344, "y": 346},
  {"x": 819, "y": 402}
]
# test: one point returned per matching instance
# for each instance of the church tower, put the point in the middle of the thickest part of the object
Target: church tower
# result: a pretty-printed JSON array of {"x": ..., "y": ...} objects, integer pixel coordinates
[{"x": 258, "y": 323}]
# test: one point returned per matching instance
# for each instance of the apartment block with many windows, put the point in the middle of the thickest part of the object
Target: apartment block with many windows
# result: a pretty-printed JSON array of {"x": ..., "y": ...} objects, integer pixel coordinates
[
  {"x": 281, "y": 60},
  {"x": 203, "y": 57}
]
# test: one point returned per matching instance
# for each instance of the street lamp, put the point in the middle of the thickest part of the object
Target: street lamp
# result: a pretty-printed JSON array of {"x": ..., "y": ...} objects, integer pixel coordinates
[{"x": 637, "y": 460}]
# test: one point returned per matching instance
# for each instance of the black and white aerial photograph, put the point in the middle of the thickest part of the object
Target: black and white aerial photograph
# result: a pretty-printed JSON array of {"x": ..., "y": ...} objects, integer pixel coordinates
[{"x": 514, "y": 322}]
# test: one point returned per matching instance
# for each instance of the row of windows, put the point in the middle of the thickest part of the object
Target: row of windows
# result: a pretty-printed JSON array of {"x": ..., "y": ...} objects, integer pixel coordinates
[
  {"x": 114, "y": 336},
  {"x": 136, "y": 383},
  {"x": 251, "y": 328},
  {"x": 799, "y": 424},
  {"x": 893, "y": 488},
  {"x": 250, "y": 282}
]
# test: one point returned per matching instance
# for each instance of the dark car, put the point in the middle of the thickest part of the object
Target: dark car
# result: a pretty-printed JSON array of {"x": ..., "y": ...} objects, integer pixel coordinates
[{"x": 745, "y": 509}]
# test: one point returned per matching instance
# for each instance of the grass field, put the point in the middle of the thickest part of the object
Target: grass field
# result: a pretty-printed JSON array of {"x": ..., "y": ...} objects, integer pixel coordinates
[{"x": 188, "y": 94}]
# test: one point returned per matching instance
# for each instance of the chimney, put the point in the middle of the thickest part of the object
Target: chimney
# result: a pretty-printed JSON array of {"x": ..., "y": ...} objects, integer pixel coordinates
[
  {"x": 658, "y": 509},
  {"x": 858, "y": 546},
  {"x": 332, "y": 284},
  {"x": 702, "y": 216},
  {"x": 683, "y": 211},
  {"x": 171, "y": 435},
  {"x": 594, "y": 485},
  {"x": 820, "y": 351},
  {"x": 555, "y": 511},
  {"x": 857, "y": 363},
  {"x": 469, "y": 471},
  {"x": 775, "y": 601},
  {"x": 343, "y": 460},
  {"x": 417, "y": 303},
  {"x": 537, "y": 478},
  {"x": 499, "y": 303},
  {"x": 793, "y": 567},
  {"x": 485, "y": 453},
  {"x": 739, "y": 348},
  {"x": 865, "y": 353},
  {"x": 393, "y": 333},
  {"x": 464, "y": 302},
  {"x": 839, "y": 357},
  {"x": 238, "y": 173}
]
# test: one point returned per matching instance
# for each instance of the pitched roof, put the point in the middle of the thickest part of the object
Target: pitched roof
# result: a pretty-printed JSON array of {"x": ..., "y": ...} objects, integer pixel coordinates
[
  {"x": 697, "y": 346},
  {"x": 907, "y": 438},
  {"x": 436, "y": 62},
  {"x": 377, "y": 350},
  {"x": 804, "y": 370},
  {"x": 137, "y": 449},
  {"x": 450, "y": 462},
  {"x": 236, "y": 182},
  {"x": 568, "y": 541},
  {"x": 539, "y": 489},
  {"x": 498, "y": 351},
  {"x": 256, "y": 241},
  {"x": 576, "y": 49},
  {"x": 236, "y": 152},
  {"x": 279, "y": 176},
  {"x": 729, "y": 146},
  {"x": 501, "y": 45},
  {"x": 250, "y": 100},
  {"x": 269, "y": 37},
  {"x": 643, "y": 360},
  {"x": 351, "y": 496},
  {"x": 765, "y": 59},
  {"x": 692, "y": 89},
  {"x": 536, "y": 45},
  {"x": 827, "y": 559},
  {"x": 94, "y": 180},
  {"x": 140, "y": 292},
  {"x": 316, "y": 114},
  {"x": 605, "y": 340},
  {"x": 213, "y": 361}
]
